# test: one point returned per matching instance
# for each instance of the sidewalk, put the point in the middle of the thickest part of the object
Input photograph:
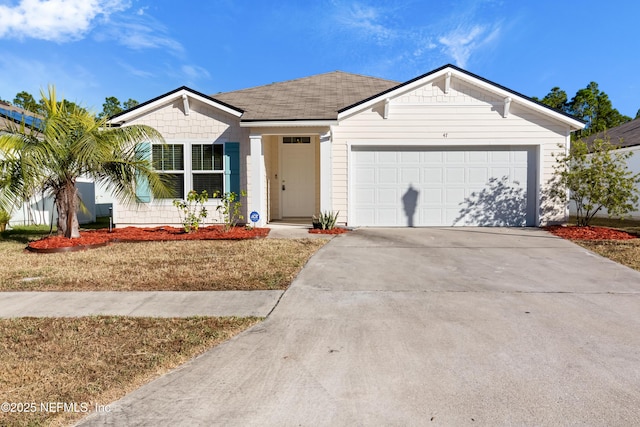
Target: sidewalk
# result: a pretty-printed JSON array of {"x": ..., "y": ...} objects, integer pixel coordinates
[
  {"x": 138, "y": 303},
  {"x": 152, "y": 304}
]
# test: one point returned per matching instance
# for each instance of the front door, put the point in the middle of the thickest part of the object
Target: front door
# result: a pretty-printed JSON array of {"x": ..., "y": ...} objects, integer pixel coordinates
[{"x": 297, "y": 176}]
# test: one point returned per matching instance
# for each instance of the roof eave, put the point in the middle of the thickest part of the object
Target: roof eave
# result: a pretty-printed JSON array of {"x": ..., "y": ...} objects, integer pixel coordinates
[
  {"x": 147, "y": 106},
  {"x": 288, "y": 123},
  {"x": 488, "y": 85}
]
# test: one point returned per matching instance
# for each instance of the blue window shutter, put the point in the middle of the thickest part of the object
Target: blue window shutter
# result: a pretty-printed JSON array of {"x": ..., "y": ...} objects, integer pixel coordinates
[
  {"x": 143, "y": 191},
  {"x": 232, "y": 167}
]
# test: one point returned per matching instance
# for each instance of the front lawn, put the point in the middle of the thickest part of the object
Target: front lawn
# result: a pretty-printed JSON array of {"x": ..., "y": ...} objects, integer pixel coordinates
[
  {"x": 157, "y": 266},
  {"x": 86, "y": 363},
  {"x": 625, "y": 252}
]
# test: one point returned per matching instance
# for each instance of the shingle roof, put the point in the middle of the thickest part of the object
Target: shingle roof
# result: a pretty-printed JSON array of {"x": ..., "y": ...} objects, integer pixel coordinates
[
  {"x": 629, "y": 132},
  {"x": 316, "y": 97}
]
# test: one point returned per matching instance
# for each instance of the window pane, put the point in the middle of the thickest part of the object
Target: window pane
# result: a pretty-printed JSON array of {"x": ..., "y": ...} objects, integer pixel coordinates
[
  {"x": 166, "y": 158},
  {"x": 178, "y": 157},
  {"x": 207, "y": 157},
  {"x": 156, "y": 156},
  {"x": 175, "y": 181},
  {"x": 196, "y": 157},
  {"x": 218, "y": 157},
  {"x": 296, "y": 140},
  {"x": 212, "y": 182}
]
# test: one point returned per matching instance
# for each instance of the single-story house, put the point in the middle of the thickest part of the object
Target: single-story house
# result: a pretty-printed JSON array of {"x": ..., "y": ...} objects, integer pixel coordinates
[
  {"x": 627, "y": 138},
  {"x": 445, "y": 148}
]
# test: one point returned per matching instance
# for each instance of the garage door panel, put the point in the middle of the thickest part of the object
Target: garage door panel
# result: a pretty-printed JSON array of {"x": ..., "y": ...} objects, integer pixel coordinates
[
  {"x": 387, "y": 176},
  {"x": 455, "y": 175},
  {"x": 432, "y": 196},
  {"x": 387, "y": 196},
  {"x": 433, "y": 175},
  {"x": 443, "y": 186},
  {"x": 478, "y": 175},
  {"x": 365, "y": 175},
  {"x": 454, "y": 156}
]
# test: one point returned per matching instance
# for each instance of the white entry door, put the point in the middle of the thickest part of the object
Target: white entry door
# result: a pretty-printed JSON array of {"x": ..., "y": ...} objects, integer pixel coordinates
[{"x": 297, "y": 176}]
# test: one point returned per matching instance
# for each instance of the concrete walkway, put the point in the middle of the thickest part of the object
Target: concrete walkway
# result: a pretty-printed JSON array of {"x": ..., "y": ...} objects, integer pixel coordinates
[
  {"x": 152, "y": 304},
  {"x": 422, "y": 326}
]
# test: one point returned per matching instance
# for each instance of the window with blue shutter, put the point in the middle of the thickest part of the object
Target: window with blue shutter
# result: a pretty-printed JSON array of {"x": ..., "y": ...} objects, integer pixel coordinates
[{"x": 232, "y": 167}]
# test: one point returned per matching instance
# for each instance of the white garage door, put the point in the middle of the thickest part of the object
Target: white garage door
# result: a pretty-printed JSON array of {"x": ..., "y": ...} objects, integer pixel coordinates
[{"x": 418, "y": 186}]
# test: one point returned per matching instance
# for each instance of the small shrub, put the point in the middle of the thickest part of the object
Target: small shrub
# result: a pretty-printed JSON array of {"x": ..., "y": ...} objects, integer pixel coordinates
[
  {"x": 325, "y": 220},
  {"x": 4, "y": 219},
  {"x": 230, "y": 208},
  {"x": 192, "y": 211}
]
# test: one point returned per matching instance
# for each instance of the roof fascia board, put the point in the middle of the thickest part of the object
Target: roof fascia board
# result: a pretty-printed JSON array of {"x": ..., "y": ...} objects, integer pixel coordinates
[
  {"x": 469, "y": 78},
  {"x": 287, "y": 123},
  {"x": 178, "y": 94}
]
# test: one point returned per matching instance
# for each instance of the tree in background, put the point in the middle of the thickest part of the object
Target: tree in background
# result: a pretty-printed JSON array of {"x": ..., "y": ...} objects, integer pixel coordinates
[
  {"x": 556, "y": 98},
  {"x": 112, "y": 106},
  {"x": 69, "y": 143},
  {"x": 594, "y": 106},
  {"x": 27, "y": 102},
  {"x": 597, "y": 178},
  {"x": 590, "y": 105}
]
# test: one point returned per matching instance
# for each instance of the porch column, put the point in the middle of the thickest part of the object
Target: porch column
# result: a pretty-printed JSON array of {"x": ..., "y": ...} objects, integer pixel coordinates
[
  {"x": 257, "y": 198},
  {"x": 325, "y": 172}
]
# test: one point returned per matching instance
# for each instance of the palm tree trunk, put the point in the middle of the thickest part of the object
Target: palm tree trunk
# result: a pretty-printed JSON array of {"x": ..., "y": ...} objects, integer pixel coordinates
[{"x": 67, "y": 206}]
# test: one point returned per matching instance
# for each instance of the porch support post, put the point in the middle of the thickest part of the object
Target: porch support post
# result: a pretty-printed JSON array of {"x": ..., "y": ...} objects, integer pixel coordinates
[
  {"x": 257, "y": 198},
  {"x": 325, "y": 172}
]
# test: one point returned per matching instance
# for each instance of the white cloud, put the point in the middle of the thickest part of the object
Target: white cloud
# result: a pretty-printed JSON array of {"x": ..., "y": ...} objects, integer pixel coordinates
[
  {"x": 141, "y": 32},
  {"x": 194, "y": 72},
  {"x": 461, "y": 43},
  {"x": 54, "y": 20},
  {"x": 367, "y": 20}
]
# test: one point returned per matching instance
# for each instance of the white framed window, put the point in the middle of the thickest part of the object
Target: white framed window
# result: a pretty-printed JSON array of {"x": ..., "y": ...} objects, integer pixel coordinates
[
  {"x": 169, "y": 160},
  {"x": 207, "y": 168},
  {"x": 197, "y": 165}
]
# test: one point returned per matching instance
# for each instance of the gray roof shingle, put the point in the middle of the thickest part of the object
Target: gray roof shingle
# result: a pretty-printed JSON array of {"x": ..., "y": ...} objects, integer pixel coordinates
[
  {"x": 625, "y": 135},
  {"x": 317, "y": 97}
]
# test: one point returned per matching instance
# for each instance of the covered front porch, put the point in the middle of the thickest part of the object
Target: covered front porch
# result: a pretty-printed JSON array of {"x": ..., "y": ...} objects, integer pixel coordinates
[{"x": 295, "y": 169}]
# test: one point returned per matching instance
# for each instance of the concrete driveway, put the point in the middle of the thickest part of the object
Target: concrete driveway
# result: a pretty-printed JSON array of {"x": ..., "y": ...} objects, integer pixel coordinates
[{"x": 442, "y": 326}]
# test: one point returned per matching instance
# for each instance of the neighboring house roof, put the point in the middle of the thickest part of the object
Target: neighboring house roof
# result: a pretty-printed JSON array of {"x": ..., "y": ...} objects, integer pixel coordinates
[
  {"x": 624, "y": 135},
  {"x": 11, "y": 115},
  {"x": 317, "y": 97}
]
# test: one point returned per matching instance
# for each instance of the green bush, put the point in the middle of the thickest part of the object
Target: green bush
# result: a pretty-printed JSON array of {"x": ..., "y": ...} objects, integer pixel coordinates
[{"x": 192, "y": 211}]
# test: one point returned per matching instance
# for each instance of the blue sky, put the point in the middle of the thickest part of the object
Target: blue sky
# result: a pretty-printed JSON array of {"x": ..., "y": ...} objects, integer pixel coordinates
[{"x": 140, "y": 49}]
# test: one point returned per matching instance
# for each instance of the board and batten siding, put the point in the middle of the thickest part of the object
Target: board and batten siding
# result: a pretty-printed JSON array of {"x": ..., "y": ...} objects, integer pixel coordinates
[
  {"x": 204, "y": 125},
  {"x": 466, "y": 116}
]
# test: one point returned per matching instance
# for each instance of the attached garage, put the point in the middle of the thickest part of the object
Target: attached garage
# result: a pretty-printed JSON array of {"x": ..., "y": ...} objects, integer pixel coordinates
[{"x": 444, "y": 186}]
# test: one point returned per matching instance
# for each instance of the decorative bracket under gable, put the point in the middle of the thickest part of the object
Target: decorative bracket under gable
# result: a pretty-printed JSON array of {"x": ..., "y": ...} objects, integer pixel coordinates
[
  {"x": 447, "y": 82},
  {"x": 507, "y": 105},
  {"x": 185, "y": 102},
  {"x": 386, "y": 108}
]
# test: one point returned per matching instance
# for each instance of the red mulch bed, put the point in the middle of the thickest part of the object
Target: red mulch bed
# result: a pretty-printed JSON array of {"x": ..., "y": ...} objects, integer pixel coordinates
[
  {"x": 589, "y": 233},
  {"x": 336, "y": 230},
  {"x": 135, "y": 234}
]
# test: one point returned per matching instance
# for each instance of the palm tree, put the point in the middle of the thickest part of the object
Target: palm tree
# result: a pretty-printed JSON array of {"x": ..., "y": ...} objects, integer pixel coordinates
[{"x": 68, "y": 143}]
